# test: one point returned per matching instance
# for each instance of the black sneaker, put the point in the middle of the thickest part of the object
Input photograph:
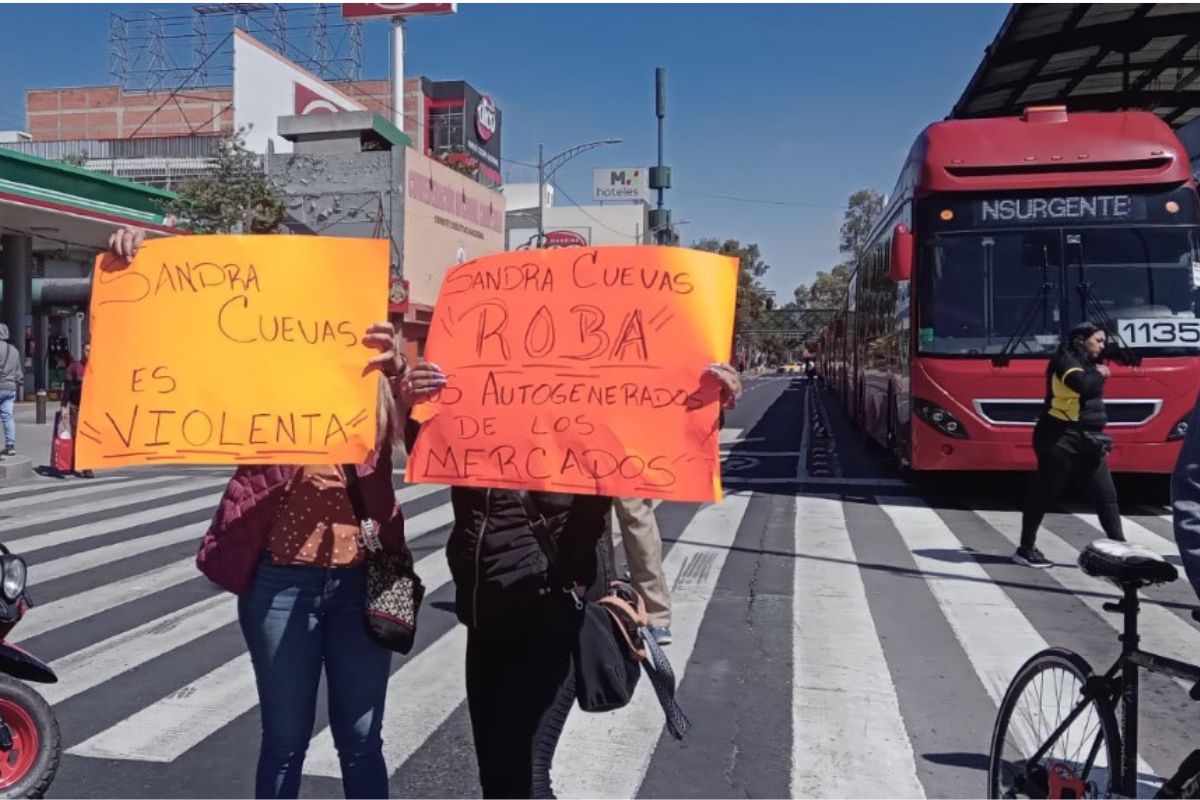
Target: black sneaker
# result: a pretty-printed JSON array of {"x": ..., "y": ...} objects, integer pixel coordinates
[
  {"x": 10, "y": 451},
  {"x": 1031, "y": 557}
]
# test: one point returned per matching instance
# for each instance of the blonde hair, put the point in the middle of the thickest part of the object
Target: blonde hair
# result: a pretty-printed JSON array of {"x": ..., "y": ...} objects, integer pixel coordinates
[{"x": 389, "y": 426}]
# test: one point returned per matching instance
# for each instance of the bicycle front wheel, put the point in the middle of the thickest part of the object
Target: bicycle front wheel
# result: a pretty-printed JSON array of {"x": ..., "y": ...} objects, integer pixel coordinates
[{"x": 1044, "y": 709}]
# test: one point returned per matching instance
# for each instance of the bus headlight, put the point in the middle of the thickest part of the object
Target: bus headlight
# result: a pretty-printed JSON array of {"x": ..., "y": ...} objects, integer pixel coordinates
[
  {"x": 1179, "y": 429},
  {"x": 14, "y": 577},
  {"x": 940, "y": 419}
]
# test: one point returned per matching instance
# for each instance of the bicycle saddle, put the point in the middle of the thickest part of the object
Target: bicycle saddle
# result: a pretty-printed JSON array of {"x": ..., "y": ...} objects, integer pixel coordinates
[{"x": 1126, "y": 563}]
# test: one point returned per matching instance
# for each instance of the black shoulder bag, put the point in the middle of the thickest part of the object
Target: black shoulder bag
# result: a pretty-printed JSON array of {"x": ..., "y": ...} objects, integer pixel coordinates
[
  {"x": 614, "y": 642},
  {"x": 394, "y": 592}
]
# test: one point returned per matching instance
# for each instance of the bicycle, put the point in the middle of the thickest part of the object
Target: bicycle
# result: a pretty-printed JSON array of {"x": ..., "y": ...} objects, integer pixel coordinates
[{"x": 1057, "y": 688}]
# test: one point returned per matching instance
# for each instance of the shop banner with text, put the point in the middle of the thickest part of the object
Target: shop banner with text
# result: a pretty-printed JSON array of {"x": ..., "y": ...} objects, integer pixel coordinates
[
  {"x": 580, "y": 370},
  {"x": 233, "y": 350}
]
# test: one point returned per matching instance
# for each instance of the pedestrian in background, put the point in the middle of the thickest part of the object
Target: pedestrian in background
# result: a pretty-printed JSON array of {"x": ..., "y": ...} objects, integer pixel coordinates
[
  {"x": 73, "y": 397},
  {"x": 12, "y": 376},
  {"x": 284, "y": 539},
  {"x": 642, "y": 540},
  {"x": 1069, "y": 440}
]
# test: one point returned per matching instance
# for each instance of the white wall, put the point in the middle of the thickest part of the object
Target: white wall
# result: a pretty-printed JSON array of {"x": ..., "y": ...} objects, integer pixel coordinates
[
  {"x": 264, "y": 89},
  {"x": 520, "y": 196},
  {"x": 599, "y": 225}
]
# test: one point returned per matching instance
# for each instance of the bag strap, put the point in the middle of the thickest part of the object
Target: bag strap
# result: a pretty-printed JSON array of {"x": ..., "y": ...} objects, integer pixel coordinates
[
  {"x": 541, "y": 531},
  {"x": 368, "y": 529}
]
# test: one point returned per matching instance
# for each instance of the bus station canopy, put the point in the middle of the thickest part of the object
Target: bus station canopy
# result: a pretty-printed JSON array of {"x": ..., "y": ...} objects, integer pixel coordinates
[{"x": 1091, "y": 57}]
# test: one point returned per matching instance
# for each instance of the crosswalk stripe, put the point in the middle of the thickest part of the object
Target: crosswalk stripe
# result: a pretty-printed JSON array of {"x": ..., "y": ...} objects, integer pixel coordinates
[
  {"x": 165, "y": 730},
  {"x": 31, "y": 486},
  {"x": 849, "y": 738},
  {"x": 1171, "y": 635},
  {"x": 993, "y": 632},
  {"x": 168, "y": 728},
  {"x": 93, "y": 665},
  {"x": 160, "y": 494},
  {"x": 1136, "y": 533},
  {"x": 81, "y": 606},
  {"x": 54, "y": 497},
  {"x": 412, "y": 492},
  {"x": 90, "y": 559},
  {"x": 27, "y": 544},
  {"x": 607, "y": 755}
]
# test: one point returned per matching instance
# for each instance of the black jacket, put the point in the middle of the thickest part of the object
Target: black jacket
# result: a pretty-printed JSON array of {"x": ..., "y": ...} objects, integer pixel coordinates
[
  {"x": 1075, "y": 392},
  {"x": 502, "y": 579}
]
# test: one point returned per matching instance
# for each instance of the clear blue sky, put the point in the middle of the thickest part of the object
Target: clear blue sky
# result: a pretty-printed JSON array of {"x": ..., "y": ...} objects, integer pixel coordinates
[{"x": 782, "y": 102}]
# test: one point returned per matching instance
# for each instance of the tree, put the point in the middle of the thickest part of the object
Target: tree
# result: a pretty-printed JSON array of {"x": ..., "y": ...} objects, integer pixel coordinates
[
  {"x": 829, "y": 287},
  {"x": 862, "y": 209},
  {"x": 234, "y": 198},
  {"x": 752, "y": 297},
  {"x": 75, "y": 159}
]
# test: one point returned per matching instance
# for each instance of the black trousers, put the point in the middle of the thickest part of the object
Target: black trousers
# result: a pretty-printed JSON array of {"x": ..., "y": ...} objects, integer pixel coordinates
[
  {"x": 1061, "y": 457},
  {"x": 519, "y": 691}
]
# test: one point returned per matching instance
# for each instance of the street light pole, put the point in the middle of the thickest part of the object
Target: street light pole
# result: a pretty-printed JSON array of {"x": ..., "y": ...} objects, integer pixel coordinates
[{"x": 546, "y": 169}]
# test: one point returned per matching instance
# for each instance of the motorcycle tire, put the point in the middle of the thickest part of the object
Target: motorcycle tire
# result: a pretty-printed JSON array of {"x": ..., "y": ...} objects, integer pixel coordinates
[{"x": 29, "y": 767}]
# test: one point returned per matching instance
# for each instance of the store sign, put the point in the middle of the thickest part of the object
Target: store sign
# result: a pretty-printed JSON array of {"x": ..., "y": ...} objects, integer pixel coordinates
[
  {"x": 378, "y": 10},
  {"x": 620, "y": 183},
  {"x": 1076, "y": 208},
  {"x": 565, "y": 239},
  {"x": 309, "y": 102},
  {"x": 486, "y": 119},
  {"x": 398, "y": 296}
]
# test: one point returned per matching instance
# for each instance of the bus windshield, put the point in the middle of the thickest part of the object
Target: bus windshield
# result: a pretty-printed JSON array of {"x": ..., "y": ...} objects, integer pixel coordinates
[{"x": 1017, "y": 291}]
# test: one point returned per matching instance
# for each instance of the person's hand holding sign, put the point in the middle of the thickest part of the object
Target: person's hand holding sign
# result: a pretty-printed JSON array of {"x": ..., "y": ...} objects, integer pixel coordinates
[
  {"x": 125, "y": 242},
  {"x": 421, "y": 384},
  {"x": 731, "y": 383}
]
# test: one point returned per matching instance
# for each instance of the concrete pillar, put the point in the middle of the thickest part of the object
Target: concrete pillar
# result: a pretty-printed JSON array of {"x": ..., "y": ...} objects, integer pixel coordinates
[{"x": 16, "y": 254}]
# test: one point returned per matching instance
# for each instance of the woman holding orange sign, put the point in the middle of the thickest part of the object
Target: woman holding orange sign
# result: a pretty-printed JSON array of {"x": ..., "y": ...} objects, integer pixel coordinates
[
  {"x": 522, "y": 564},
  {"x": 285, "y": 540}
]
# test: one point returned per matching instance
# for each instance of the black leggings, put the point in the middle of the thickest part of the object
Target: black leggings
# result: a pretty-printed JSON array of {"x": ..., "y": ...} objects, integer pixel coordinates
[
  {"x": 519, "y": 692},
  {"x": 1061, "y": 457}
]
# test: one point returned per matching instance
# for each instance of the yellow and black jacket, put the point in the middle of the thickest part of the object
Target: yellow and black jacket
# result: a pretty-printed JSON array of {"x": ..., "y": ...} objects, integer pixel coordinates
[{"x": 1075, "y": 392}]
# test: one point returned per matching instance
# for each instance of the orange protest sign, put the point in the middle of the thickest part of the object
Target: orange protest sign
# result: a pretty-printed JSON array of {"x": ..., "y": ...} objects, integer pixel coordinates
[
  {"x": 580, "y": 370},
  {"x": 232, "y": 350}
]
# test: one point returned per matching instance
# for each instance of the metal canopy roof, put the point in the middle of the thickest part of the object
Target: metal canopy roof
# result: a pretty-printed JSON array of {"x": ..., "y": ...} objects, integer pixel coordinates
[{"x": 1091, "y": 57}]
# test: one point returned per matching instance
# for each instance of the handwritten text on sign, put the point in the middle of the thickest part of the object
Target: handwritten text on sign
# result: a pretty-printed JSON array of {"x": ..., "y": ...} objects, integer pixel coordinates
[
  {"x": 233, "y": 349},
  {"x": 580, "y": 370}
]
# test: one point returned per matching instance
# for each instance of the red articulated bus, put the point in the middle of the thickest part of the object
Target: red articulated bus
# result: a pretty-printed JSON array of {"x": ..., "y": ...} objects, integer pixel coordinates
[{"x": 1002, "y": 234}]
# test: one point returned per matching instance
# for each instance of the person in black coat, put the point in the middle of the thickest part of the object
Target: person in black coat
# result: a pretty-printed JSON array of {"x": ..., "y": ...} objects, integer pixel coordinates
[
  {"x": 522, "y": 620},
  {"x": 1068, "y": 439}
]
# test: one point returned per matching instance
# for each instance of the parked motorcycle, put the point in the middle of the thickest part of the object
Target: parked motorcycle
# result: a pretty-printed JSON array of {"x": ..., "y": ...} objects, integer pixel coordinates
[{"x": 30, "y": 743}]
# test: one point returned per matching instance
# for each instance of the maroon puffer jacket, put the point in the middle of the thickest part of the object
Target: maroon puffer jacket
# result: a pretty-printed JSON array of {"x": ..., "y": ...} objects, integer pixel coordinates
[{"x": 233, "y": 545}]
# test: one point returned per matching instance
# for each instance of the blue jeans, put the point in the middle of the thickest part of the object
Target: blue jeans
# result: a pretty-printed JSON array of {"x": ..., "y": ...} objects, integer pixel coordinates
[
  {"x": 7, "y": 398},
  {"x": 297, "y": 618}
]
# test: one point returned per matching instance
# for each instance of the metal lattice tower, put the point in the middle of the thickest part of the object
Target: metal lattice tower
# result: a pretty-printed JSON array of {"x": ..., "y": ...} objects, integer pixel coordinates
[
  {"x": 118, "y": 47},
  {"x": 279, "y": 28},
  {"x": 176, "y": 47},
  {"x": 200, "y": 49},
  {"x": 157, "y": 51},
  {"x": 320, "y": 37}
]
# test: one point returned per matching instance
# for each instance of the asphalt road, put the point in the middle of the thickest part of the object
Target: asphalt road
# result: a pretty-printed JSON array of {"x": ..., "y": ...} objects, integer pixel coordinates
[{"x": 837, "y": 632}]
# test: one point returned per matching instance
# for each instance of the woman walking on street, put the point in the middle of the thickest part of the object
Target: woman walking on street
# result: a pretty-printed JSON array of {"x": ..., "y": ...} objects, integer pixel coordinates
[
  {"x": 1068, "y": 439},
  {"x": 285, "y": 541}
]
